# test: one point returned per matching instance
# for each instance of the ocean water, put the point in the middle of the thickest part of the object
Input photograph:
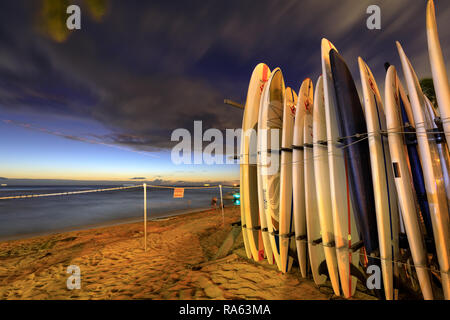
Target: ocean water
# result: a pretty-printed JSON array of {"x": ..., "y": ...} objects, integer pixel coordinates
[{"x": 26, "y": 217}]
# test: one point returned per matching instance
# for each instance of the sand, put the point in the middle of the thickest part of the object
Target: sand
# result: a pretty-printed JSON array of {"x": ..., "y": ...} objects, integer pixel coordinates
[{"x": 176, "y": 265}]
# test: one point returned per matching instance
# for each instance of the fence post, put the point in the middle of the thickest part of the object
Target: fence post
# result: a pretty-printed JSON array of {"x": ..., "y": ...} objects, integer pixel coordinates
[
  {"x": 221, "y": 204},
  {"x": 145, "y": 216}
]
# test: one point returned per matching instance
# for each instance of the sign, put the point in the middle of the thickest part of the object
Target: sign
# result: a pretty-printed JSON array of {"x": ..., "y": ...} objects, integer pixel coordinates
[{"x": 178, "y": 193}]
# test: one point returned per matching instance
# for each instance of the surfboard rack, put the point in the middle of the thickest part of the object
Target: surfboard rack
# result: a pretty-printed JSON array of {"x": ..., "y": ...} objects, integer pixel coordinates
[
  {"x": 410, "y": 138},
  {"x": 294, "y": 147},
  {"x": 274, "y": 233},
  {"x": 438, "y": 122},
  {"x": 287, "y": 235},
  {"x": 308, "y": 145},
  {"x": 323, "y": 142},
  {"x": 301, "y": 237},
  {"x": 350, "y": 139},
  {"x": 357, "y": 245},
  {"x": 317, "y": 241},
  {"x": 330, "y": 244},
  {"x": 438, "y": 135}
]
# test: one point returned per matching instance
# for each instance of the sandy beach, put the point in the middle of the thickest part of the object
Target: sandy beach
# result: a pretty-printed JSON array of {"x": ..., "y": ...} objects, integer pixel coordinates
[{"x": 178, "y": 264}]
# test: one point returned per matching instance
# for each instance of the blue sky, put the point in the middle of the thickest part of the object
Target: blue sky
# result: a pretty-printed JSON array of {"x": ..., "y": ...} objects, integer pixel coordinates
[{"x": 145, "y": 68}]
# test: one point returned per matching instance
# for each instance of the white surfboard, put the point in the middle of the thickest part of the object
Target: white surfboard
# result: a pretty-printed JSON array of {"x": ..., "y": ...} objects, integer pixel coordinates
[
  {"x": 442, "y": 148},
  {"x": 440, "y": 78},
  {"x": 434, "y": 182},
  {"x": 305, "y": 101},
  {"x": 322, "y": 182},
  {"x": 345, "y": 231},
  {"x": 286, "y": 221},
  {"x": 248, "y": 165},
  {"x": 269, "y": 129},
  {"x": 385, "y": 194},
  {"x": 315, "y": 250},
  {"x": 262, "y": 213},
  {"x": 403, "y": 181}
]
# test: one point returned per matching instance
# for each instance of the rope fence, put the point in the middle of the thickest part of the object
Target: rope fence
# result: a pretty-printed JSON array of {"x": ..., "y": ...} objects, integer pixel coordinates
[
  {"x": 27, "y": 196},
  {"x": 144, "y": 186}
]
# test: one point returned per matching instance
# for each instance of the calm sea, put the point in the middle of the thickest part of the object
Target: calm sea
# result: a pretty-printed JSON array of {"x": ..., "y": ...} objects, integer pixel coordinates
[{"x": 26, "y": 217}]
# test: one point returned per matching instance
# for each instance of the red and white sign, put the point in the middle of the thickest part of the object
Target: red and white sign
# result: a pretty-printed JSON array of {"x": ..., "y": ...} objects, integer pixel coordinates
[{"x": 178, "y": 193}]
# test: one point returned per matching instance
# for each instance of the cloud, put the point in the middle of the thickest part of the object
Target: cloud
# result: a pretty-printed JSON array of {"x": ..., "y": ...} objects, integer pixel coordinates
[
  {"x": 146, "y": 70},
  {"x": 101, "y": 140},
  {"x": 138, "y": 178}
]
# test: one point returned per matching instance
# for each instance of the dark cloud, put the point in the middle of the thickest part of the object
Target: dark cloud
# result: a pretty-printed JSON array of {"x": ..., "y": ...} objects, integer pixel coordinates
[
  {"x": 150, "y": 67},
  {"x": 138, "y": 178}
]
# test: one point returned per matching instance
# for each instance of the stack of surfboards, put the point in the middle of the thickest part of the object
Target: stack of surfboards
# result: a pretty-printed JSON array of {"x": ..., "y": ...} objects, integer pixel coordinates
[{"x": 334, "y": 182}]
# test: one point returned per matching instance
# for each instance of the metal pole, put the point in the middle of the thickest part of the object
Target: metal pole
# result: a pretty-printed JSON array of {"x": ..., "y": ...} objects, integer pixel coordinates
[
  {"x": 221, "y": 204},
  {"x": 145, "y": 216}
]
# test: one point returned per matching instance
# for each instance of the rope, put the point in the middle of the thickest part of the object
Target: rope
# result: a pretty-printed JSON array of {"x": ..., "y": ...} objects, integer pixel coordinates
[
  {"x": 364, "y": 255},
  {"x": 67, "y": 193},
  {"x": 341, "y": 146},
  {"x": 28, "y": 196},
  {"x": 173, "y": 187}
]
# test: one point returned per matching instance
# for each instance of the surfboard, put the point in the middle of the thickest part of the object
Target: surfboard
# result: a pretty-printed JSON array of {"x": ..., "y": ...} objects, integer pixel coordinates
[
  {"x": 315, "y": 249},
  {"x": 441, "y": 146},
  {"x": 403, "y": 181},
  {"x": 322, "y": 183},
  {"x": 345, "y": 231},
  {"x": 385, "y": 194},
  {"x": 304, "y": 102},
  {"x": 434, "y": 182},
  {"x": 262, "y": 214},
  {"x": 351, "y": 124},
  {"x": 413, "y": 158},
  {"x": 244, "y": 232},
  {"x": 269, "y": 128},
  {"x": 248, "y": 166},
  {"x": 286, "y": 222},
  {"x": 440, "y": 78}
]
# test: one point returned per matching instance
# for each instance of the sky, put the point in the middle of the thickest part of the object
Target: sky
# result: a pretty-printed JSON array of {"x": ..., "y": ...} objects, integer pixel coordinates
[{"x": 101, "y": 103}]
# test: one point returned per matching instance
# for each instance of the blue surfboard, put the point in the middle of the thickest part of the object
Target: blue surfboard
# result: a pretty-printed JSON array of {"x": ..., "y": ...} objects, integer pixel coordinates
[{"x": 351, "y": 121}]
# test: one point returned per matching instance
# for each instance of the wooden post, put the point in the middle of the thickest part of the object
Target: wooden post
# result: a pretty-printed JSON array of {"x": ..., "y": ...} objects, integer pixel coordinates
[
  {"x": 221, "y": 204},
  {"x": 233, "y": 104},
  {"x": 145, "y": 216}
]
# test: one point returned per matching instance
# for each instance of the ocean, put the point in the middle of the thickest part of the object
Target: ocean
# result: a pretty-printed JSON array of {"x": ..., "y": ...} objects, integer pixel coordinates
[{"x": 36, "y": 216}]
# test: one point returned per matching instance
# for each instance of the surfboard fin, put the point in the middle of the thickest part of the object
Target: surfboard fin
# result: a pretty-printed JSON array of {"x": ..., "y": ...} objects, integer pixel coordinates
[
  {"x": 323, "y": 269},
  {"x": 356, "y": 272},
  {"x": 357, "y": 245}
]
